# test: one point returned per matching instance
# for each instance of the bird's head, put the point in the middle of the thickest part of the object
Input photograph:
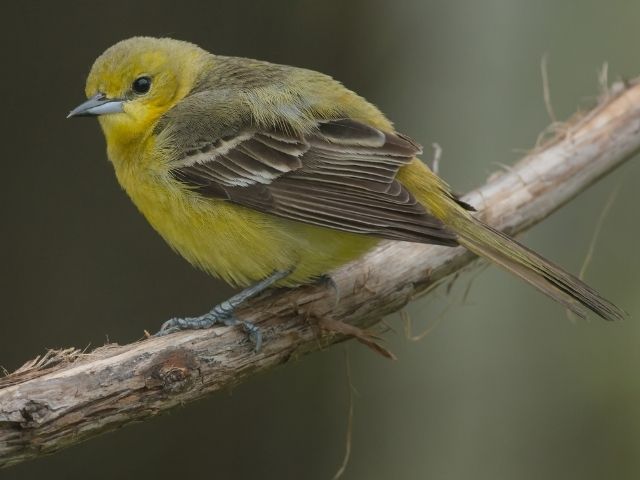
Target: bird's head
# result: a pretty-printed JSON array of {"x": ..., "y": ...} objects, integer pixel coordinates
[{"x": 137, "y": 80}]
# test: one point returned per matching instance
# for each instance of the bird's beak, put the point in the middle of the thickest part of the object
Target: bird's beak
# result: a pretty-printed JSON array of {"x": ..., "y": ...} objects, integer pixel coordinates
[{"x": 97, "y": 105}]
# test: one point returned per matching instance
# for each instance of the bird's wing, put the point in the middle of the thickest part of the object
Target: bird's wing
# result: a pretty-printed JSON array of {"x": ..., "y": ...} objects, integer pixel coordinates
[{"x": 341, "y": 176}]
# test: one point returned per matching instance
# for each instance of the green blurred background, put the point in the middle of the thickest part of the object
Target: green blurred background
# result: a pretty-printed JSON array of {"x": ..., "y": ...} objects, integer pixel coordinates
[{"x": 504, "y": 387}]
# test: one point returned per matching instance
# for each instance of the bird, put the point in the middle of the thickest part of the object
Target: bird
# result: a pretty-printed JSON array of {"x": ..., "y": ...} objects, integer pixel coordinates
[{"x": 267, "y": 175}]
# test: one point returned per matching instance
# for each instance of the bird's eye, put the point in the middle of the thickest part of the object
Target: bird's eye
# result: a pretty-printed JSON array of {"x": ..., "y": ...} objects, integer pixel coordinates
[{"x": 141, "y": 85}]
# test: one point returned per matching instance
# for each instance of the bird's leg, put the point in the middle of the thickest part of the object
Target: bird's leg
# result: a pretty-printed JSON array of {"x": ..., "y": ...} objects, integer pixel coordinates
[
  {"x": 328, "y": 280},
  {"x": 223, "y": 313}
]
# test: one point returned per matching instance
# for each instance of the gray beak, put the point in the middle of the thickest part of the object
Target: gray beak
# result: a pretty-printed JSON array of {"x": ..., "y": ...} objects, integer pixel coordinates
[{"x": 97, "y": 105}]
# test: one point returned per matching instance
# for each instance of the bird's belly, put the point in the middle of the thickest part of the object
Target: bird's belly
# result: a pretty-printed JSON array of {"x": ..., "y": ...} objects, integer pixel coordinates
[{"x": 241, "y": 245}]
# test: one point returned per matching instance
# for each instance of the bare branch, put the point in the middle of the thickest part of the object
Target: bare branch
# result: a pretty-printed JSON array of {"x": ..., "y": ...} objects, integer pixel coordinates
[{"x": 67, "y": 397}]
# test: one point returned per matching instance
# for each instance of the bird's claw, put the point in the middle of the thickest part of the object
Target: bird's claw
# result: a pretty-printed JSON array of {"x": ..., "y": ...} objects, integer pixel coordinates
[{"x": 209, "y": 320}]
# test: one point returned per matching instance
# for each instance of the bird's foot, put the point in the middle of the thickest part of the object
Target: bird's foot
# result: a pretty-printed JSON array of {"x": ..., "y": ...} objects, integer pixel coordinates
[
  {"x": 218, "y": 316},
  {"x": 223, "y": 313}
]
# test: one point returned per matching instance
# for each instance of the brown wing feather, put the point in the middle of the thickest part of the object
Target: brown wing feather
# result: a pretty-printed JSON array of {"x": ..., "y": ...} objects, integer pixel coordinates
[{"x": 343, "y": 176}]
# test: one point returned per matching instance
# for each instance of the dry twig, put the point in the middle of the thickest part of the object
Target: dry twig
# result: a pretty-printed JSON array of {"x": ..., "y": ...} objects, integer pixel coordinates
[{"x": 48, "y": 406}]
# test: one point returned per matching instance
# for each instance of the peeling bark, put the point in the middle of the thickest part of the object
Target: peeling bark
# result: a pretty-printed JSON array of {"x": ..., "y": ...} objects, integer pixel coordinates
[{"x": 67, "y": 397}]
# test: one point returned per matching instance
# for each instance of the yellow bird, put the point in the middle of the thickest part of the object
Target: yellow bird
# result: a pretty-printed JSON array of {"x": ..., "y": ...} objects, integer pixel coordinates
[{"x": 264, "y": 174}]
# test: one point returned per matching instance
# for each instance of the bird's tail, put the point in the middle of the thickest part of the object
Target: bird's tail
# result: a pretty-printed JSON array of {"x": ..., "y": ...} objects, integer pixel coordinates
[{"x": 550, "y": 279}]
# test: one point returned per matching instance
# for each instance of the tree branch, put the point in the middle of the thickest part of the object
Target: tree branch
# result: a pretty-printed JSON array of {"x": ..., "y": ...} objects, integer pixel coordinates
[{"x": 68, "y": 396}]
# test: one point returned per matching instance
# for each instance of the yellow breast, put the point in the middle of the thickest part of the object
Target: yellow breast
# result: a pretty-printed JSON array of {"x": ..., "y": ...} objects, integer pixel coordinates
[{"x": 237, "y": 244}]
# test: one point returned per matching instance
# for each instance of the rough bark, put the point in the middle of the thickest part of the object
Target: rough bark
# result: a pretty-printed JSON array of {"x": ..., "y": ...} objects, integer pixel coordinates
[{"x": 67, "y": 397}]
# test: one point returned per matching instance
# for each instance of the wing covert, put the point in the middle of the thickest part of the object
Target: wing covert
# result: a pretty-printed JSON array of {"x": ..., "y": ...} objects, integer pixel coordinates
[{"x": 341, "y": 176}]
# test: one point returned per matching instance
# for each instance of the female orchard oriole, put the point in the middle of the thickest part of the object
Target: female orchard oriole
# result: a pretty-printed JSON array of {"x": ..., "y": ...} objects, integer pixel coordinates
[{"x": 266, "y": 173}]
